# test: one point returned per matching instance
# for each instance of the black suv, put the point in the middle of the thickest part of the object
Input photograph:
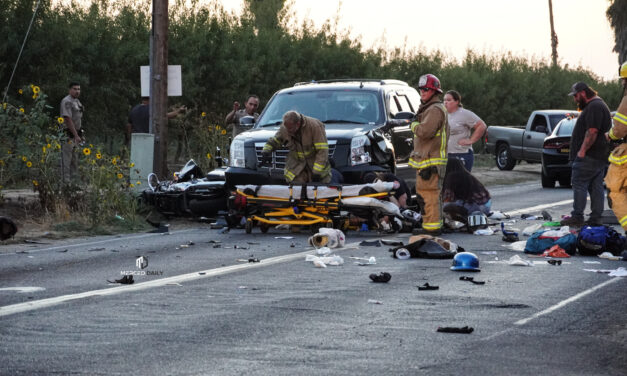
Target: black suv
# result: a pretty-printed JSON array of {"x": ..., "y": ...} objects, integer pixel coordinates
[{"x": 355, "y": 113}]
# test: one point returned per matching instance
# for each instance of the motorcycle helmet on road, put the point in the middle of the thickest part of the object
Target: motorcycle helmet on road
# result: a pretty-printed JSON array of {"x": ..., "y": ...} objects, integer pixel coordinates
[{"x": 466, "y": 261}]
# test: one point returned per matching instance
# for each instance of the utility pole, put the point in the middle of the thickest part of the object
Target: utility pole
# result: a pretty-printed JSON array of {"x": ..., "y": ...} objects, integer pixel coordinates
[
  {"x": 553, "y": 35},
  {"x": 159, "y": 86}
]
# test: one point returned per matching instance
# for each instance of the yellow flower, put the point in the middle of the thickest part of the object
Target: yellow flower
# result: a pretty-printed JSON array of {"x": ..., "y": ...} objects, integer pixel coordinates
[
  {"x": 34, "y": 96},
  {"x": 29, "y": 164},
  {"x": 217, "y": 127},
  {"x": 138, "y": 182},
  {"x": 24, "y": 158},
  {"x": 57, "y": 145},
  {"x": 132, "y": 165},
  {"x": 4, "y": 106},
  {"x": 32, "y": 86},
  {"x": 9, "y": 152},
  {"x": 131, "y": 185},
  {"x": 35, "y": 183},
  {"x": 208, "y": 155},
  {"x": 1, "y": 162},
  {"x": 203, "y": 114},
  {"x": 114, "y": 161},
  {"x": 223, "y": 131},
  {"x": 48, "y": 146},
  {"x": 86, "y": 151},
  {"x": 98, "y": 156},
  {"x": 60, "y": 120},
  {"x": 36, "y": 89},
  {"x": 21, "y": 109},
  {"x": 91, "y": 146},
  {"x": 20, "y": 92},
  {"x": 120, "y": 176},
  {"x": 43, "y": 148}
]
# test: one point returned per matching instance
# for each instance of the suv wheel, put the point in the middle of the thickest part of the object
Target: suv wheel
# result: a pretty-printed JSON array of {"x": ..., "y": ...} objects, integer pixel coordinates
[{"x": 547, "y": 181}]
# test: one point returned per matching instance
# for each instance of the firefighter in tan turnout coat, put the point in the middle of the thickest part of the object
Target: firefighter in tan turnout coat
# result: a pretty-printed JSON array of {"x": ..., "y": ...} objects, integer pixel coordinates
[
  {"x": 308, "y": 157},
  {"x": 616, "y": 178},
  {"x": 431, "y": 131}
]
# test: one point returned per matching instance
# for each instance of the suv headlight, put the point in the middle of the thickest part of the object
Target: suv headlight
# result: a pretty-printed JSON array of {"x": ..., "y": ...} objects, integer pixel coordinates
[
  {"x": 359, "y": 152},
  {"x": 237, "y": 155}
]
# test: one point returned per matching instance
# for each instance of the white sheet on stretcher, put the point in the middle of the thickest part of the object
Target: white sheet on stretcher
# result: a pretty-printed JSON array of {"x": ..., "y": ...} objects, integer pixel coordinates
[
  {"x": 388, "y": 207},
  {"x": 283, "y": 191}
]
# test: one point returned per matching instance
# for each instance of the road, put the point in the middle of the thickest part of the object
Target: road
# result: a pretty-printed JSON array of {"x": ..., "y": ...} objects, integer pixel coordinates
[{"x": 202, "y": 312}]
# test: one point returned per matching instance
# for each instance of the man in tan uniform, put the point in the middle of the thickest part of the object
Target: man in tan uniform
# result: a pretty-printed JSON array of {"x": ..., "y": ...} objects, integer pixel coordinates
[
  {"x": 431, "y": 132},
  {"x": 616, "y": 178},
  {"x": 232, "y": 118},
  {"x": 72, "y": 113},
  {"x": 308, "y": 157}
]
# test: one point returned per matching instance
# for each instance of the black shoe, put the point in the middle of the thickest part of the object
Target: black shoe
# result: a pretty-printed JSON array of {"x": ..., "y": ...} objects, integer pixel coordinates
[
  {"x": 383, "y": 277},
  {"x": 572, "y": 221},
  {"x": 593, "y": 222}
]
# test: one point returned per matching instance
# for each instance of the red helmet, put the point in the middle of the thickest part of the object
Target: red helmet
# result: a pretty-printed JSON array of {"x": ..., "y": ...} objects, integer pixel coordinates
[{"x": 430, "y": 82}]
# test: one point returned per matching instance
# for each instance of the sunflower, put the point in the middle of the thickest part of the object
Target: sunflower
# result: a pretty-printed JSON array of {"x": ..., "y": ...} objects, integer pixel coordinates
[
  {"x": 131, "y": 165},
  {"x": 98, "y": 155},
  {"x": 114, "y": 161},
  {"x": 203, "y": 114},
  {"x": 131, "y": 185},
  {"x": 60, "y": 120},
  {"x": 138, "y": 183},
  {"x": 217, "y": 127},
  {"x": 48, "y": 146},
  {"x": 223, "y": 131},
  {"x": 43, "y": 149},
  {"x": 34, "y": 96},
  {"x": 24, "y": 158},
  {"x": 86, "y": 151},
  {"x": 35, "y": 183},
  {"x": 29, "y": 164},
  {"x": 36, "y": 89},
  {"x": 1, "y": 162},
  {"x": 21, "y": 109},
  {"x": 20, "y": 92},
  {"x": 120, "y": 176},
  {"x": 208, "y": 155},
  {"x": 4, "y": 106}
]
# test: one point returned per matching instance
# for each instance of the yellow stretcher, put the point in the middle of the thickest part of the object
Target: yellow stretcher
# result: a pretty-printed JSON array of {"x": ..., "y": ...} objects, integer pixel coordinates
[{"x": 313, "y": 205}]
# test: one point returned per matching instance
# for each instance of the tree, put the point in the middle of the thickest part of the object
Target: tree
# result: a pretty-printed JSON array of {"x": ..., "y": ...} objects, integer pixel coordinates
[
  {"x": 266, "y": 13},
  {"x": 617, "y": 15}
]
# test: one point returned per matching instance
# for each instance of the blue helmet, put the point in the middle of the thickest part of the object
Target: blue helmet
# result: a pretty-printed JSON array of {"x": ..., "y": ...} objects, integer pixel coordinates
[{"x": 466, "y": 261}]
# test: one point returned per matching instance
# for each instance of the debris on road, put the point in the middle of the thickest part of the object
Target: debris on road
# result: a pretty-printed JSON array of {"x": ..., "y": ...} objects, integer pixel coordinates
[
  {"x": 554, "y": 262},
  {"x": 383, "y": 277},
  {"x": 425, "y": 246},
  {"x": 284, "y": 237},
  {"x": 370, "y": 243},
  {"x": 619, "y": 272},
  {"x": 373, "y": 301},
  {"x": 471, "y": 279},
  {"x": 322, "y": 262},
  {"x": 610, "y": 256},
  {"x": 462, "y": 330},
  {"x": 518, "y": 261},
  {"x": 126, "y": 280},
  {"x": 465, "y": 261},
  {"x": 427, "y": 287},
  {"x": 95, "y": 249},
  {"x": 371, "y": 261},
  {"x": 250, "y": 259}
]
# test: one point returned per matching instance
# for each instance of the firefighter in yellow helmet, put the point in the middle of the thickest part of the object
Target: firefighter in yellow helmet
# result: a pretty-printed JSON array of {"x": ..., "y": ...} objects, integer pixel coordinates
[
  {"x": 308, "y": 157},
  {"x": 431, "y": 131},
  {"x": 616, "y": 178}
]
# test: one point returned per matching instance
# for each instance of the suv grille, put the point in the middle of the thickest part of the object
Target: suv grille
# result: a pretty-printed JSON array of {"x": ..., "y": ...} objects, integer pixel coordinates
[{"x": 280, "y": 155}]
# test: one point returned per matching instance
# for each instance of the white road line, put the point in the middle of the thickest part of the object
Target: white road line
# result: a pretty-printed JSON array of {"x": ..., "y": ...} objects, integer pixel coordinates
[
  {"x": 49, "y": 302},
  {"x": 539, "y": 207},
  {"x": 566, "y": 301},
  {"x": 130, "y": 237}
]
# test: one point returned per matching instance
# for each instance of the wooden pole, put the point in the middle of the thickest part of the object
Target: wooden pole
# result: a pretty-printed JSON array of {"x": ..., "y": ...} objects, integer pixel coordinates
[
  {"x": 159, "y": 86},
  {"x": 553, "y": 35}
]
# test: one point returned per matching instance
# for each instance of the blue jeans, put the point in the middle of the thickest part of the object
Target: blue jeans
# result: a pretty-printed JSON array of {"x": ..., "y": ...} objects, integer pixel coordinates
[
  {"x": 587, "y": 177},
  {"x": 468, "y": 159}
]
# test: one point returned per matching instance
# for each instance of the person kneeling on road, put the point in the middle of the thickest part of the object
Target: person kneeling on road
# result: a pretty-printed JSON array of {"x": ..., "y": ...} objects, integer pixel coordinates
[{"x": 308, "y": 156}]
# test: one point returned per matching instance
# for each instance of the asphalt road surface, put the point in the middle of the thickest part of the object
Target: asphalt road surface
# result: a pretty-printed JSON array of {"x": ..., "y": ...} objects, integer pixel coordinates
[{"x": 200, "y": 311}]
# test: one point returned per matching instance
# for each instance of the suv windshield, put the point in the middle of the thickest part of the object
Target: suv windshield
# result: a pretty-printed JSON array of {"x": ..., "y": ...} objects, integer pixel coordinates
[{"x": 328, "y": 106}]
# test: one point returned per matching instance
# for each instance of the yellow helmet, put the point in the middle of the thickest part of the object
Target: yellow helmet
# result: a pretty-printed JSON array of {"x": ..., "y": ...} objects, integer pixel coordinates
[{"x": 622, "y": 72}]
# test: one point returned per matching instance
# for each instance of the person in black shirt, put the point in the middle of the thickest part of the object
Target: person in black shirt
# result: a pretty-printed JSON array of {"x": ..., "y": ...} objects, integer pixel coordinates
[
  {"x": 589, "y": 150},
  {"x": 138, "y": 118}
]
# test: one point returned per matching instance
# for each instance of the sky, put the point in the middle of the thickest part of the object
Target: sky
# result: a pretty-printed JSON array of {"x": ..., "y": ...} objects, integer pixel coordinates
[{"x": 485, "y": 26}]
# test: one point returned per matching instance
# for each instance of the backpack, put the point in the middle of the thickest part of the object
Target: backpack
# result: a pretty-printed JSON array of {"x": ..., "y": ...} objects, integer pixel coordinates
[
  {"x": 537, "y": 244},
  {"x": 592, "y": 241}
]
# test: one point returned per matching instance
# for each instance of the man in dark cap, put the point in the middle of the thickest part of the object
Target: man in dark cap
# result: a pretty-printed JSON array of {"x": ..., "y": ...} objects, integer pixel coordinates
[{"x": 589, "y": 150}]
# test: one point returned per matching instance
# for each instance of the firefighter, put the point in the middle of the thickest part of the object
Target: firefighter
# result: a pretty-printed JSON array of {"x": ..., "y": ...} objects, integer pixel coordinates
[
  {"x": 308, "y": 156},
  {"x": 429, "y": 158},
  {"x": 616, "y": 178}
]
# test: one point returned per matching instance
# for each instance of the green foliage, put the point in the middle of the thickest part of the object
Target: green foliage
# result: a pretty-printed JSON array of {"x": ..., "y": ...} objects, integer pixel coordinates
[{"x": 617, "y": 15}]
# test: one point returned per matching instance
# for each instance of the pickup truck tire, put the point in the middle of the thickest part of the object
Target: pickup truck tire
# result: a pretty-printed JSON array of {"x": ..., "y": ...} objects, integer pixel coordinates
[
  {"x": 547, "y": 181},
  {"x": 504, "y": 159}
]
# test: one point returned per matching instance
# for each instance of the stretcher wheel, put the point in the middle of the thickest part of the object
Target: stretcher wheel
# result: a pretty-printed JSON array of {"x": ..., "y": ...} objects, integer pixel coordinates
[
  {"x": 249, "y": 226},
  {"x": 264, "y": 227}
]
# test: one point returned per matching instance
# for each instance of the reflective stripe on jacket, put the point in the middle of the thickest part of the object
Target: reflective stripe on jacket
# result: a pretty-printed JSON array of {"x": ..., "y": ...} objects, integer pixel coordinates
[
  {"x": 431, "y": 131},
  {"x": 618, "y": 131},
  {"x": 308, "y": 149}
]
